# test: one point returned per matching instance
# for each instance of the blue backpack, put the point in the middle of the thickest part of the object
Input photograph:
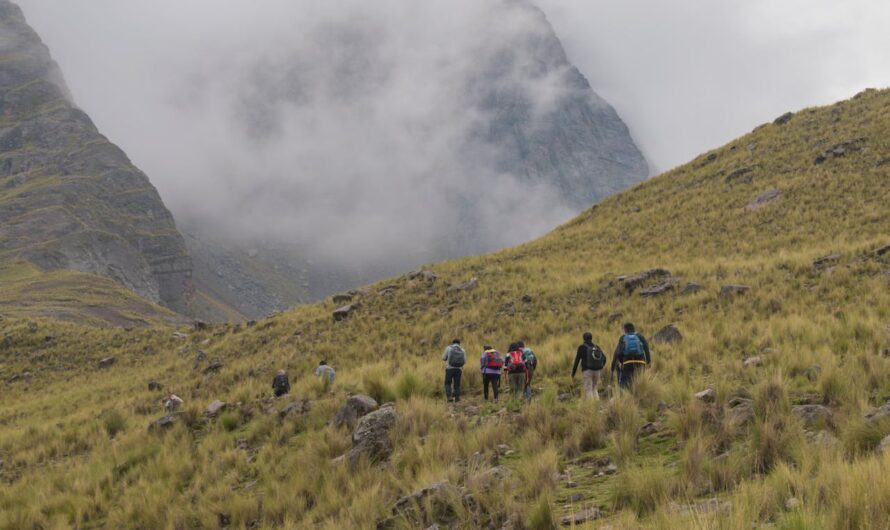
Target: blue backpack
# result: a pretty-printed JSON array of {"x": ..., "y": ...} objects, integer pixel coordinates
[{"x": 633, "y": 347}]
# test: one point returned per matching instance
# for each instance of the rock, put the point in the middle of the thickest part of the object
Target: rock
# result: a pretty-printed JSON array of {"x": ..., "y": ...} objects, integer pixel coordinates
[
  {"x": 792, "y": 503},
  {"x": 732, "y": 290},
  {"x": 741, "y": 411},
  {"x": 466, "y": 286},
  {"x": 164, "y": 422},
  {"x": 884, "y": 446},
  {"x": 200, "y": 326},
  {"x": 667, "y": 335},
  {"x": 692, "y": 288},
  {"x": 754, "y": 361},
  {"x": 527, "y": 299},
  {"x": 784, "y": 118},
  {"x": 242, "y": 444},
  {"x": 700, "y": 508},
  {"x": 814, "y": 415},
  {"x": 840, "y": 150},
  {"x": 634, "y": 282},
  {"x": 580, "y": 518},
  {"x": 32, "y": 326},
  {"x": 215, "y": 408},
  {"x": 575, "y": 497},
  {"x": 812, "y": 372},
  {"x": 660, "y": 288},
  {"x": 763, "y": 199},
  {"x": 342, "y": 298},
  {"x": 354, "y": 409},
  {"x": 214, "y": 367},
  {"x": 155, "y": 386},
  {"x": 344, "y": 312},
  {"x": 7, "y": 342},
  {"x": 427, "y": 276},
  {"x": 105, "y": 362},
  {"x": 493, "y": 477},
  {"x": 371, "y": 437},
  {"x": 648, "y": 429},
  {"x": 826, "y": 261},
  {"x": 742, "y": 175},
  {"x": 296, "y": 408},
  {"x": 387, "y": 290},
  {"x": 878, "y": 414},
  {"x": 179, "y": 335},
  {"x": 708, "y": 395},
  {"x": 882, "y": 250},
  {"x": 821, "y": 438}
]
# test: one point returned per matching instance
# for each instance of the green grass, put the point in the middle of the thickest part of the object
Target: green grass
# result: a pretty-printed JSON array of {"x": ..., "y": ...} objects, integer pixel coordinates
[{"x": 63, "y": 468}]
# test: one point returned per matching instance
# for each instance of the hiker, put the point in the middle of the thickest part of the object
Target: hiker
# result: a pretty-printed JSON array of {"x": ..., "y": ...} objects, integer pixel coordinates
[
  {"x": 455, "y": 358},
  {"x": 631, "y": 354},
  {"x": 592, "y": 360},
  {"x": 531, "y": 363},
  {"x": 491, "y": 364},
  {"x": 517, "y": 371},
  {"x": 280, "y": 384},
  {"x": 326, "y": 373},
  {"x": 172, "y": 403}
]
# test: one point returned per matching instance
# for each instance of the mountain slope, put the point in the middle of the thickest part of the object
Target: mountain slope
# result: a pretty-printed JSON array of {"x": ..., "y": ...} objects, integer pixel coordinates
[
  {"x": 70, "y": 199},
  {"x": 783, "y": 305}
]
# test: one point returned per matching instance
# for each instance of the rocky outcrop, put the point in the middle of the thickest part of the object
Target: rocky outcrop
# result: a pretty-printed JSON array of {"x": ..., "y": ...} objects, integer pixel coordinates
[
  {"x": 667, "y": 335},
  {"x": 371, "y": 437},
  {"x": 76, "y": 201},
  {"x": 355, "y": 408},
  {"x": 763, "y": 199}
]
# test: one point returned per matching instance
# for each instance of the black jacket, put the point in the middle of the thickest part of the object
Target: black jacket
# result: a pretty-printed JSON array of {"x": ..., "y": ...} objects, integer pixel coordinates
[
  {"x": 581, "y": 357},
  {"x": 618, "y": 359},
  {"x": 281, "y": 385}
]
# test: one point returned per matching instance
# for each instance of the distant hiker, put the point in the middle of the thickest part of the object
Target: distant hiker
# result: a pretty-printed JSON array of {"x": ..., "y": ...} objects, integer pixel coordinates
[
  {"x": 455, "y": 358},
  {"x": 280, "y": 384},
  {"x": 491, "y": 364},
  {"x": 517, "y": 371},
  {"x": 326, "y": 373},
  {"x": 531, "y": 363},
  {"x": 592, "y": 360},
  {"x": 172, "y": 403},
  {"x": 631, "y": 354}
]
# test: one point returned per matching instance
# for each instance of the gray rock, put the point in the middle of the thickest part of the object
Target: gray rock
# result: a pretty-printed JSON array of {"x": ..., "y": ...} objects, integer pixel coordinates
[
  {"x": 581, "y": 517},
  {"x": 342, "y": 298},
  {"x": 882, "y": 251},
  {"x": 634, "y": 282},
  {"x": 296, "y": 408},
  {"x": 692, "y": 288},
  {"x": 763, "y": 199},
  {"x": 164, "y": 422},
  {"x": 708, "y": 395},
  {"x": 742, "y": 175},
  {"x": 154, "y": 386},
  {"x": 814, "y": 415},
  {"x": 667, "y": 335},
  {"x": 826, "y": 261},
  {"x": 649, "y": 428},
  {"x": 753, "y": 361},
  {"x": 821, "y": 438},
  {"x": 344, "y": 312},
  {"x": 884, "y": 446},
  {"x": 371, "y": 437},
  {"x": 840, "y": 150},
  {"x": 214, "y": 367},
  {"x": 792, "y": 503},
  {"x": 731, "y": 290},
  {"x": 355, "y": 408},
  {"x": 215, "y": 408},
  {"x": 105, "y": 362},
  {"x": 427, "y": 276},
  {"x": 704, "y": 507},
  {"x": 470, "y": 285},
  {"x": 660, "y": 288},
  {"x": 878, "y": 414},
  {"x": 741, "y": 411},
  {"x": 784, "y": 118}
]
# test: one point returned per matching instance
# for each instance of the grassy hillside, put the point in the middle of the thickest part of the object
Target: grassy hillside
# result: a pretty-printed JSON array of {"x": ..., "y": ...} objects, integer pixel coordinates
[{"x": 812, "y": 329}]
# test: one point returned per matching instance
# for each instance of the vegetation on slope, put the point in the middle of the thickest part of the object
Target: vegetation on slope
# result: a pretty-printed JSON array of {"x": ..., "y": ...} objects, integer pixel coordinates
[{"x": 76, "y": 451}]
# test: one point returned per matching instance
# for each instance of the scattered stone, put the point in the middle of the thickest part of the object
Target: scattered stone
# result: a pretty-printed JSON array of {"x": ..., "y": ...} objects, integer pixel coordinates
[
  {"x": 432, "y": 503},
  {"x": 179, "y": 335},
  {"x": 427, "y": 276},
  {"x": 741, "y": 411},
  {"x": 575, "y": 497},
  {"x": 754, "y": 361},
  {"x": 814, "y": 415},
  {"x": 105, "y": 362},
  {"x": 826, "y": 261},
  {"x": 296, "y": 408},
  {"x": 881, "y": 251},
  {"x": 215, "y": 408},
  {"x": 371, "y": 436},
  {"x": 342, "y": 298},
  {"x": 708, "y": 395},
  {"x": 494, "y": 476},
  {"x": 582, "y": 517},
  {"x": 792, "y": 503},
  {"x": 154, "y": 386},
  {"x": 242, "y": 444},
  {"x": 783, "y": 119},
  {"x": 667, "y": 335},
  {"x": 692, "y": 288},
  {"x": 387, "y": 290},
  {"x": 731, "y": 290},
  {"x": 355, "y": 408},
  {"x": 648, "y": 429},
  {"x": 164, "y": 422},
  {"x": 344, "y": 312},
  {"x": 660, "y": 288},
  {"x": 214, "y": 367},
  {"x": 884, "y": 446},
  {"x": 634, "y": 282},
  {"x": 763, "y": 199},
  {"x": 526, "y": 298},
  {"x": 821, "y": 438},
  {"x": 466, "y": 286},
  {"x": 840, "y": 150},
  {"x": 742, "y": 175},
  {"x": 878, "y": 414}
]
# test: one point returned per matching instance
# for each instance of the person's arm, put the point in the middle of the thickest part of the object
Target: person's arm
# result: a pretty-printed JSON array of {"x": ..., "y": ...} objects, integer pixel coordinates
[
  {"x": 445, "y": 355},
  {"x": 578, "y": 356},
  {"x": 646, "y": 349},
  {"x": 619, "y": 351}
]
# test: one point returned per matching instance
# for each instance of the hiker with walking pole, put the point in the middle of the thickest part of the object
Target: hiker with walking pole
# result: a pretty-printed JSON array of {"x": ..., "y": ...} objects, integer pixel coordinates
[{"x": 631, "y": 355}]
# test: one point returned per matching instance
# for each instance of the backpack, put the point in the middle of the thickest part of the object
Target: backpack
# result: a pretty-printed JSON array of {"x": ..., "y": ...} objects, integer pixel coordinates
[
  {"x": 493, "y": 361},
  {"x": 530, "y": 359},
  {"x": 515, "y": 362},
  {"x": 457, "y": 357},
  {"x": 595, "y": 360},
  {"x": 633, "y": 346},
  {"x": 280, "y": 384}
]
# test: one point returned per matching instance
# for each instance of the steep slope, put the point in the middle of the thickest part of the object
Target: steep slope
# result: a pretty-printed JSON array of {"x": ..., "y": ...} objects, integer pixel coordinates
[
  {"x": 778, "y": 255},
  {"x": 70, "y": 199}
]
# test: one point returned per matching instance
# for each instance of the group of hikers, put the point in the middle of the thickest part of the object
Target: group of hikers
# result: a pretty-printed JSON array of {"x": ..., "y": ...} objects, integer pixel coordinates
[{"x": 519, "y": 365}]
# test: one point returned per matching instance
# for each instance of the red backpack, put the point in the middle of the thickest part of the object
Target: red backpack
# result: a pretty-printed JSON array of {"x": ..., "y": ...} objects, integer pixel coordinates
[
  {"x": 515, "y": 363},
  {"x": 493, "y": 361}
]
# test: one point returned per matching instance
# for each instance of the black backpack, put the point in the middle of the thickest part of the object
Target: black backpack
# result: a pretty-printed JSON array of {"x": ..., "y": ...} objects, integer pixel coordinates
[
  {"x": 595, "y": 358},
  {"x": 280, "y": 384}
]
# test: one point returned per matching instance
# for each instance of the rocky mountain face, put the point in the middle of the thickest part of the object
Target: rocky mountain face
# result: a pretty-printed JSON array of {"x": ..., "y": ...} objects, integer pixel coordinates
[{"x": 69, "y": 198}]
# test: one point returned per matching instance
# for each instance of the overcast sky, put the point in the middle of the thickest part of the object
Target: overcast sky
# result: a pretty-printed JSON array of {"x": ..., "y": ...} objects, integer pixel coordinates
[{"x": 167, "y": 79}]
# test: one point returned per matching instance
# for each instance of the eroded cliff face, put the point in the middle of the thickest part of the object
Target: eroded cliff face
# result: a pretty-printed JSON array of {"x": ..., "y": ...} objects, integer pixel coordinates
[{"x": 69, "y": 198}]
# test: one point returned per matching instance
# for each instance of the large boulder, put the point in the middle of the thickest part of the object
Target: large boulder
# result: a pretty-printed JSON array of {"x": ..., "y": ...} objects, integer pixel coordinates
[
  {"x": 371, "y": 437},
  {"x": 814, "y": 416},
  {"x": 215, "y": 408},
  {"x": 342, "y": 313},
  {"x": 634, "y": 282},
  {"x": 667, "y": 335},
  {"x": 708, "y": 395},
  {"x": 741, "y": 411},
  {"x": 660, "y": 288},
  {"x": 763, "y": 199},
  {"x": 296, "y": 408},
  {"x": 355, "y": 408}
]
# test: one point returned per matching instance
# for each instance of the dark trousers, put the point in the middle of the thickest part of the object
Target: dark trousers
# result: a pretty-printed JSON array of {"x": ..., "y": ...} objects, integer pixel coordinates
[
  {"x": 452, "y": 379},
  {"x": 626, "y": 374},
  {"x": 490, "y": 379}
]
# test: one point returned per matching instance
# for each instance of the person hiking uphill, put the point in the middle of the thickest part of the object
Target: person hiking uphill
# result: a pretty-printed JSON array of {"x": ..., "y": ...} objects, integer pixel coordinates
[
  {"x": 491, "y": 365},
  {"x": 531, "y": 363},
  {"x": 327, "y": 375},
  {"x": 280, "y": 384},
  {"x": 455, "y": 358},
  {"x": 631, "y": 355},
  {"x": 592, "y": 360},
  {"x": 517, "y": 371}
]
